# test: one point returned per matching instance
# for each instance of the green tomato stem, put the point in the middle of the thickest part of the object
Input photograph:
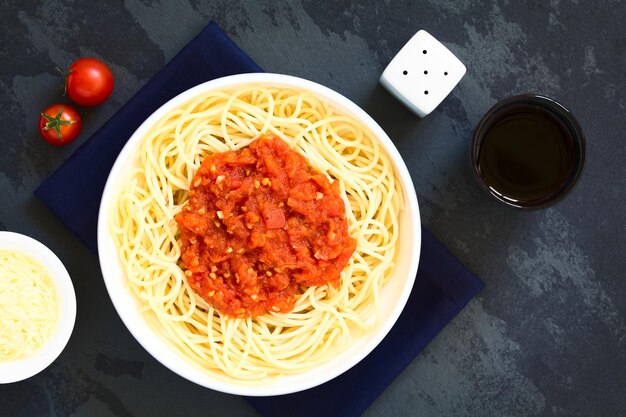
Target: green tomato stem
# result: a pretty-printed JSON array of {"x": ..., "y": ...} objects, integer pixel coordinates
[{"x": 56, "y": 122}]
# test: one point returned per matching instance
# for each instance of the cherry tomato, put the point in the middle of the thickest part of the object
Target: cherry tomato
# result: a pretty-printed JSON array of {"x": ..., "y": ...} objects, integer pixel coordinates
[
  {"x": 89, "y": 82},
  {"x": 59, "y": 124}
]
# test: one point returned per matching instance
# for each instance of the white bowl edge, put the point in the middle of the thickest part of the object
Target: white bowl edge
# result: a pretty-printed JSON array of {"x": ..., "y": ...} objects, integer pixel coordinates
[
  {"x": 127, "y": 306},
  {"x": 29, "y": 366}
]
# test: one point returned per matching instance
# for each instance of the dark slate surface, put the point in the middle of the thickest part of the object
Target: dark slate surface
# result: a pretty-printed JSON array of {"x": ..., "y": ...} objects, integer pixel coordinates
[{"x": 547, "y": 337}]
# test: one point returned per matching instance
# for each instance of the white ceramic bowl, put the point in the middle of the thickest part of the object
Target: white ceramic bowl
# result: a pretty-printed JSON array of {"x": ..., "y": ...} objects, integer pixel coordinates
[
  {"x": 20, "y": 369},
  {"x": 393, "y": 297}
]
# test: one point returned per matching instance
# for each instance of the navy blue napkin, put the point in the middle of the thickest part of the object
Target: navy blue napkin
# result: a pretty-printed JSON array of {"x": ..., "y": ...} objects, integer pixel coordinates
[{"x": 442, "y": 288}]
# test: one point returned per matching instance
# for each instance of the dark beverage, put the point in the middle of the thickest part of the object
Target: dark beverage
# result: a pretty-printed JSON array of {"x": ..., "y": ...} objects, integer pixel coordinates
[{"x": 528, "y": 151}]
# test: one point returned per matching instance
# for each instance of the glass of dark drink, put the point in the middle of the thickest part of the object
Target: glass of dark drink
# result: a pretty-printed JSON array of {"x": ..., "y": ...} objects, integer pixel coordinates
[{"x": 528, "y": 151}]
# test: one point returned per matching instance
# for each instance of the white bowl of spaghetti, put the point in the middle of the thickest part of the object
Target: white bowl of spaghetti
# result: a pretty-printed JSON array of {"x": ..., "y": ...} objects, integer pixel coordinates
[
  {"x": 332, "y": 326},
  {"x": 37, "y": 307}
]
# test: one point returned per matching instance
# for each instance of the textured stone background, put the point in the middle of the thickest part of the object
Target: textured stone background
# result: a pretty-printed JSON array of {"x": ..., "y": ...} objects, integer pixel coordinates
[{"x": 547, "y": 337}]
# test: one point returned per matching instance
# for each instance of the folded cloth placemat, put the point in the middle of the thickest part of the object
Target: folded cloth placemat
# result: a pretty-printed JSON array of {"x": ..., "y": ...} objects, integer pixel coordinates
[{"x": 442, "y": 288}]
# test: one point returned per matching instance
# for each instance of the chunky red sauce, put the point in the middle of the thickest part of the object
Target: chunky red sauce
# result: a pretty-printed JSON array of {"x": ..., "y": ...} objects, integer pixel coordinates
[{"x": 259, "y": 224}]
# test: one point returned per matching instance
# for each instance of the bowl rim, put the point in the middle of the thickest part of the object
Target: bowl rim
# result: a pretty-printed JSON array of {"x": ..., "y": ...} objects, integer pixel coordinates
[
  {"x": 31, "y": 365},
  {"x": 190, "y": 372}
]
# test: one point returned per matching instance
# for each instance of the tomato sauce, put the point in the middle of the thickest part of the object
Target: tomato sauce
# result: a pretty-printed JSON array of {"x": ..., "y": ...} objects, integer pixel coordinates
[{"x": 260, "y": 224}]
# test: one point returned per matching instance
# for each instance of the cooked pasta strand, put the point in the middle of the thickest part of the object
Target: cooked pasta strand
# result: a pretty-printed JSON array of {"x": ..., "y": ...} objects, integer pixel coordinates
[{"x": 325, "y": 319}]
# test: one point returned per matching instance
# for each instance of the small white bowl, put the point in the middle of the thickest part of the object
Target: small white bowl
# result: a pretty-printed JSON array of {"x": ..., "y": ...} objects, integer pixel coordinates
[
  {"x": 24, "y": 368},
  {"x": 393, "y": 296}
]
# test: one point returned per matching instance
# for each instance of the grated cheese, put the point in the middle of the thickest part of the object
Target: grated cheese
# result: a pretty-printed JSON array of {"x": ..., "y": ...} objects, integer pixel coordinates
[{"x": 28, "y": 306}]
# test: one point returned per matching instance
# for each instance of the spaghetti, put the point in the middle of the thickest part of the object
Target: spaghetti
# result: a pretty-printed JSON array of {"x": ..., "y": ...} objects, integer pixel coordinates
[{"x": 325, "y": 319}]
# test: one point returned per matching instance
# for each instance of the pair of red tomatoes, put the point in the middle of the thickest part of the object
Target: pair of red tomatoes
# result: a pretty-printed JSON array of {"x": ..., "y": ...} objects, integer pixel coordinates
[{"x": 89, "y": 82}]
